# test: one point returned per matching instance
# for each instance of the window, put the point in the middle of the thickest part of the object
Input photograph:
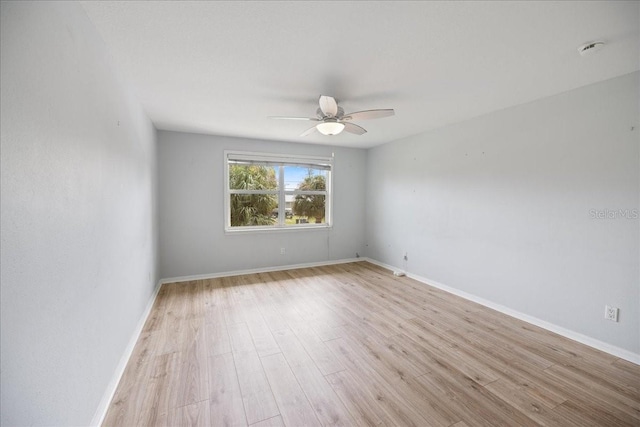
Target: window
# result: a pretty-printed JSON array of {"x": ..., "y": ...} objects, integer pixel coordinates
[{"x": 275, "y": 192}]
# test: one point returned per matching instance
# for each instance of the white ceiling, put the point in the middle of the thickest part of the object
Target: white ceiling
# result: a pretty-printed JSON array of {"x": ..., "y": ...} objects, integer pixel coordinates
[{"x": 223, "y": 67}]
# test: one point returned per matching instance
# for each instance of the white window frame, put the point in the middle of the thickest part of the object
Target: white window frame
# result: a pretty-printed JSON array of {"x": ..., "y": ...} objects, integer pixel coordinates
[{"x": 281, "y": 192}]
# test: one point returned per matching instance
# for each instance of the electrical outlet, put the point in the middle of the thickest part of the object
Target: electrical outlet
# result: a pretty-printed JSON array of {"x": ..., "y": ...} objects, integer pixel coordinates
[
  {"x": 282, "y": 251},
  {"x": 611, "y": 313}
]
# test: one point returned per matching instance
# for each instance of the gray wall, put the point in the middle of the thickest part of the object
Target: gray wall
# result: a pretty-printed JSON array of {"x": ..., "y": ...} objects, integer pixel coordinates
[
  {"x": 191, "y": 182},
  {"x": 499, "y": 207},
  {"x": 77, "y": 215}
]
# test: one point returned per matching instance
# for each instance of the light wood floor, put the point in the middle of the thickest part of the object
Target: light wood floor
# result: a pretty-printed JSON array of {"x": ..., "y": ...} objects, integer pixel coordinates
[{"x": 353, "y": 345}]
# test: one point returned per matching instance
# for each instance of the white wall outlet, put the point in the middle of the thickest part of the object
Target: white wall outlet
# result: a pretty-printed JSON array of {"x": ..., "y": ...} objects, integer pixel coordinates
[
  {"x": 282, "y": 251},
  {"x": 611, "y": 313}
]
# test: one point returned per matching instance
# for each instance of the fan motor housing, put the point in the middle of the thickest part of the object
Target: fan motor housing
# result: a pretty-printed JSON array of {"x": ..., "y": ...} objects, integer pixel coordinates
[{"x": 321, "y": 115}]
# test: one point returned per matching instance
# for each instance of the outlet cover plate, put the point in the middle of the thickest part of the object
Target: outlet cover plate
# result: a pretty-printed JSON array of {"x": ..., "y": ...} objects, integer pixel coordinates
[{"x": 611, "y": 313}]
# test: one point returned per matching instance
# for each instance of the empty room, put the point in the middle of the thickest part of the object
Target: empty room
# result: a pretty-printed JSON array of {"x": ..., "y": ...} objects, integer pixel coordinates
[{"x": 354, "y": 213}]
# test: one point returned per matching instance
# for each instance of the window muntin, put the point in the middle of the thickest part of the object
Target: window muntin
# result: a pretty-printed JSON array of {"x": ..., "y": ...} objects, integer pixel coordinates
[{"x": 266, "y": 192}]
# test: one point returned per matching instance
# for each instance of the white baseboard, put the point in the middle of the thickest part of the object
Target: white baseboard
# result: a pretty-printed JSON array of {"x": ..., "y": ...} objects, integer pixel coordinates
[
  {"x": 101, "y": 412},
  {"x": 567, "y": 333},
  {"x": 258, "y": 270}
]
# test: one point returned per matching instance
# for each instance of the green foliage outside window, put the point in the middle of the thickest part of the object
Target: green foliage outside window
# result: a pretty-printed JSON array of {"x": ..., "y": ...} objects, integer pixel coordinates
[
  {"x": 311, "y": 205},
  {"x": 252, "y": 209}
]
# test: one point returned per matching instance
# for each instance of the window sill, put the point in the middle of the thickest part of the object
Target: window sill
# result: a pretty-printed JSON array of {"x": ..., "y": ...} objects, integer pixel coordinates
[{"x": 290, "y": 228}]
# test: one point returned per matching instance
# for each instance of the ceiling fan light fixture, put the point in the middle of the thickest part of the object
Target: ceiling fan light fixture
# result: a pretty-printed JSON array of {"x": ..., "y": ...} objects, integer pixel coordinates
[
  {"x": 332, "y": 120},
  {"x": 330, "y": 127}
]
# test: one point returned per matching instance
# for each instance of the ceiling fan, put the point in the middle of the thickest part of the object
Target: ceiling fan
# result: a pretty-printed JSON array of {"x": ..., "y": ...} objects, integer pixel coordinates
[{"x": 332, "y": 120}]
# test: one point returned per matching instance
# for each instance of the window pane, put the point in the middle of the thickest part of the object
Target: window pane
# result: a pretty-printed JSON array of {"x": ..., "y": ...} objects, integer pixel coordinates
[
  {"x": 253, "y": 210},
  {"x": 305, "y": 209},
  {"x": 304, "y": 178},
  {"x": 260, "y": 182},
  {"x": 253, "y": 177}
]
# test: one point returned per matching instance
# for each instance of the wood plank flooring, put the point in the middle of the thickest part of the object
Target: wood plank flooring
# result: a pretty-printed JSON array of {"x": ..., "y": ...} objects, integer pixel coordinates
[{"x": 352, "y": 345}]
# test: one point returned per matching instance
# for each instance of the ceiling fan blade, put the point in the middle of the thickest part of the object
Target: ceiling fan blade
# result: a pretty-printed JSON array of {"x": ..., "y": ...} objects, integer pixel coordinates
[
  {"x": 353, "y": 128},
  {"x": 308, "y": 131},
  {"x": 328, "y": 105},
  {"x": 313, "y": 119},
  {"x": 369, "y": 114}
]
